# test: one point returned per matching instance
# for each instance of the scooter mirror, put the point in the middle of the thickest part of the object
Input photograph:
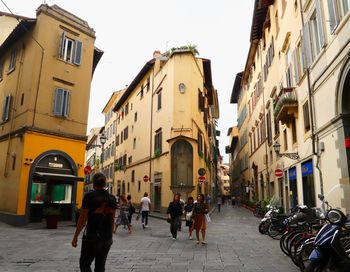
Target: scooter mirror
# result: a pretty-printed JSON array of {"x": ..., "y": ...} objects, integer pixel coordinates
[{"x": 320, "y": 197}]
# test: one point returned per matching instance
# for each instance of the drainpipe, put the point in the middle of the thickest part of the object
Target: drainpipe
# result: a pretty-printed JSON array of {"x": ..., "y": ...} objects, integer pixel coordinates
[
  {"x": 314, "y": 137},
  {"x": 264, "y": 112}
]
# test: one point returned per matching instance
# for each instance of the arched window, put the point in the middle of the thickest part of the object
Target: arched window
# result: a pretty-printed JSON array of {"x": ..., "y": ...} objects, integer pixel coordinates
[{"x": 181, "y": 164}]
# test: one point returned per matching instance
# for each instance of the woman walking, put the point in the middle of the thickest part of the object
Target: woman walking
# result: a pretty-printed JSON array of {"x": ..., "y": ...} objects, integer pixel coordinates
[
  {"x": 123, "y": 214},
  {"x": 131, "y": 209},
  {"x": 200, "y": 209},
  {"x": 188, "y": 216},
  {"x": 174, "y": 215}
]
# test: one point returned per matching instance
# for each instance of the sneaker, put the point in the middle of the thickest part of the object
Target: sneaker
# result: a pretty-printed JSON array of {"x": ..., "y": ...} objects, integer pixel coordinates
[
  {"x": 198, "y": 242},
  {"x": 174, "y": 239},
  {"x": 191, "y": 238},
  {"x": 204, "y": 242},
  {"x": 143, "y": 226}
]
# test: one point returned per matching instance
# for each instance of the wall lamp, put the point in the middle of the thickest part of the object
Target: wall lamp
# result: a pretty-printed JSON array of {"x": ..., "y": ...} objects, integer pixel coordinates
[{"x": 277, "y": 148}]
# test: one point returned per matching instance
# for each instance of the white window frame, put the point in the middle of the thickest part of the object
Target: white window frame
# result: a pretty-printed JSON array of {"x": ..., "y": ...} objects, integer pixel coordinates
[{"x": 73, "y": 56}]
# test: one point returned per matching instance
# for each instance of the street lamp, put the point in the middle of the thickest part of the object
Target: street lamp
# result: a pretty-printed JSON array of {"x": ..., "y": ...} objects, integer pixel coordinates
[
  {"x": 103, "y": 140},
  {"x": 277, "y": 148}
]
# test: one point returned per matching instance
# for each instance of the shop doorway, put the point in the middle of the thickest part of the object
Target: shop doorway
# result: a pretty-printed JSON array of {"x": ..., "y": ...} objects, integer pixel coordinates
[
  {"x": 52, "y": 183},
  {"x": 308, "y": 184},
  {"x": 293, "y": 187}
]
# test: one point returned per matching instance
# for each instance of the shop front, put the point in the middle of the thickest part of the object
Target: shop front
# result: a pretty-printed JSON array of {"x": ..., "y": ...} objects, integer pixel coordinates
[
  {"x": 293, "y": 187},
  {"x": 52, "y": 183},
  {"x": 308, "y": 183}
]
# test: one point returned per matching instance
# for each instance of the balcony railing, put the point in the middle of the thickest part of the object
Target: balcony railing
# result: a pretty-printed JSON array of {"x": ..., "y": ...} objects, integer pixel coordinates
[{"x": 286, "y": 106}]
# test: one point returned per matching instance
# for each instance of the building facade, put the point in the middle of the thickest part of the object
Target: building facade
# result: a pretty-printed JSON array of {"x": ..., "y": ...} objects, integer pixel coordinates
[
  {"x": 293, "y": 89},
  {"x": 46, "y": 66},
  {"x": 166, "y": 130}
]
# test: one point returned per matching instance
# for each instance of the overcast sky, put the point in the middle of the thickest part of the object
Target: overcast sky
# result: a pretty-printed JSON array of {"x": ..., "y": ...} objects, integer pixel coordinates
[{"x": 129, "y": 31}]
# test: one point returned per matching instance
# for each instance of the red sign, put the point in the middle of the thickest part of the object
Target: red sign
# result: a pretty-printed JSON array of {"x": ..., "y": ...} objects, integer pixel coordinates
[
  {"x": 278, "y": 173},
  {"x": 145, "y": 178},
  {"x": 87, "y": 170},
  {"x": 347, "y": 143},
  {"x": 201, "y": 179}
]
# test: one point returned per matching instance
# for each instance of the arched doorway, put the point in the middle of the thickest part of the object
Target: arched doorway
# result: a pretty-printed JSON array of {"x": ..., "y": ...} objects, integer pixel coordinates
[
  {"x": 181, "y": 166},
  {"x": 343, "y": 110},
  {"x": 52, "y": 183}
]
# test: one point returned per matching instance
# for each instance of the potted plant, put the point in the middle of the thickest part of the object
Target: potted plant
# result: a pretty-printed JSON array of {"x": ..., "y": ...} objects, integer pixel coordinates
[
  {"x": 51, "y": 214},
  {"x": 157, "y": 153}
]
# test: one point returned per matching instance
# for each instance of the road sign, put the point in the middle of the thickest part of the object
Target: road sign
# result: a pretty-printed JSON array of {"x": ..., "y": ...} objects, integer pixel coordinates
[
  {"x": 278, "y": 173},
  {"x": 87, "y": 170},
  {"x": 201, "y": 172},
  {"x": 145, "y": 178},
  {"x": 201, "y": 179}
]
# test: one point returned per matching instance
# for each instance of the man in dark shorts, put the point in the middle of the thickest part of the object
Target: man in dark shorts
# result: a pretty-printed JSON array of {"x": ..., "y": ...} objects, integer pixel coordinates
[{"x": 98, "y": 210}]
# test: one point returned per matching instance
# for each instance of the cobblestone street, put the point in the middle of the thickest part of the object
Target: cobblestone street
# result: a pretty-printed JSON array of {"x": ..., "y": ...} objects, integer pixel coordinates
[{"x": 234, "y": 244}]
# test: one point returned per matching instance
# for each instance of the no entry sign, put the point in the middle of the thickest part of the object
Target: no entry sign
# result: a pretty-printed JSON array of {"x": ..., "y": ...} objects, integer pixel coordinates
[
  {"x": 145, "y": 178},
  {"x": 87, "y": 170},
  {"x": 278, "y": 173}
]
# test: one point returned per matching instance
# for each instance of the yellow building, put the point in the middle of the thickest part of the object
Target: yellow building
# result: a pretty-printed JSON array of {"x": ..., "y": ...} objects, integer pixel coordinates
[
  {"x": 46, "y": 65},
  {"x": 295, "y": 90},
  {"x": 166, "y": 129}
]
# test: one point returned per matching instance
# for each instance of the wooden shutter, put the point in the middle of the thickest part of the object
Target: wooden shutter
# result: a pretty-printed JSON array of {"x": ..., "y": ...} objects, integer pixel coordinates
[
  {"x": 66, "y": 103},
  {"x": 62, "y": 45},
  {"x": 296, "y": 71},
  {"x": 78, "y": 52},
  {"x": 333, "y": 18},
  {"x": 6, "y": 109},
  {"x": 159, "y": 104},
  {"x": 307, "y": 45},
  {"x": 319, "y": 19},
  {"x": 58, "y": 102}
]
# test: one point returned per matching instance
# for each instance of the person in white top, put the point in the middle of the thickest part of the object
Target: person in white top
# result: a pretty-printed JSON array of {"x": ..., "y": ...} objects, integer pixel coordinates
[{"x": 145, "y": 207}]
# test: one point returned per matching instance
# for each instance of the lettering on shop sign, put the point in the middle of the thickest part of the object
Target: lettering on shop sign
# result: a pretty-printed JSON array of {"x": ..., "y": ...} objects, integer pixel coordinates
[{"x": 56, "y": 165}]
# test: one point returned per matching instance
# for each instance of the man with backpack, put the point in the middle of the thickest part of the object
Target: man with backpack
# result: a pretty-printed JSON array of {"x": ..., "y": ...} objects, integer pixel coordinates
[{"x": 98, "y": 211}]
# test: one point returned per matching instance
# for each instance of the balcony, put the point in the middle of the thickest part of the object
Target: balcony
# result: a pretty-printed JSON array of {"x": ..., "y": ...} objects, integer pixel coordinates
[{"x": 286, "y": 106}]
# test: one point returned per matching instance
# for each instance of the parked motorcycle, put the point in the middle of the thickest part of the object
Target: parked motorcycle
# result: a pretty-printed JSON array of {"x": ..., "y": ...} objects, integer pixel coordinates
[{"x": 331, "y": 246}]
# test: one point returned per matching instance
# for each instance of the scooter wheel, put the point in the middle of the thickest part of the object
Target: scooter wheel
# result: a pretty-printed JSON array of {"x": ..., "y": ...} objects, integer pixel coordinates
[{"x": 263, "y": 227}]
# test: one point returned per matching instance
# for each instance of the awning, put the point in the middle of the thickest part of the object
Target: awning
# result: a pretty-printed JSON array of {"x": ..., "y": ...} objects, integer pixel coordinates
[{"x": 63, "y": 177}]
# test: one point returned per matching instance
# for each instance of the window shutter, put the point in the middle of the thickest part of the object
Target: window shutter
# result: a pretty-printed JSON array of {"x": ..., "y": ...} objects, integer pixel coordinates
[
  {"x": 78, "y": 52},
  {"x": 61, "y": 49},
  {"x": 58, "y": 102},
  {"x": 66, "y": 103},
  {"x": 6, "y": 108},
  {"x": 296, "y": 72},
  {"x": 307, "y": 45},
  {"x": 319, "y": 18},
  {"x": 333, "y": 18},
  {"x": 160, "y": 141}
]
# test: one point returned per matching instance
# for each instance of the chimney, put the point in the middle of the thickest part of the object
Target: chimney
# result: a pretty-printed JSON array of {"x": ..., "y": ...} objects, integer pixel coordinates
[{"x": 157, "y": 54}]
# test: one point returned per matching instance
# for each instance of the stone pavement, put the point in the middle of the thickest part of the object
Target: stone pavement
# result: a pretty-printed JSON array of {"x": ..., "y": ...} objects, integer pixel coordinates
[{"x": 234, "y": 244}]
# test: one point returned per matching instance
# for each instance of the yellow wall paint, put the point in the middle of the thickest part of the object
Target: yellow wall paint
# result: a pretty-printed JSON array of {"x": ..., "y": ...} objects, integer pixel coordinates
[{"x": 36, "y": 144}]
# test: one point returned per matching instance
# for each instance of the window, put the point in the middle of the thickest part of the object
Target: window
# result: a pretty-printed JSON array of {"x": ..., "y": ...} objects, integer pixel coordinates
[
  {"x": 200, "y": 101},
  {"x": 22, "y": 99},
  {"x": 133, "y": 176},
  {"x": 159, "y": 100},
  {"x": 117, "y": 140},
  {"x": 148, "y": 84},
  {"x": 306, "y": 114},
  {"x": 70, "y": 50},
  {"x": 285, "y": 140},
  {"x": 1, "y": 70},
  {"x": 134, "y": 144},
  {"x": 158, "y": 141},
  {"x": 135, "y": 117},
  {"x": 124, "y": 159},
  {"x": 337, "y": 10},
  {"x": 12, "y": 64},
  {"x": 277, "y": 126},
  {"x": 126, "y": 133},
  {"x": 269, "y": 131},
  {"x": 126, "y": 109},
  {"x": 61, "y": 102},
  {"x": 6, "y": 108},
  {"x": 130, "y": 160},
  {"x": 315, "y": 39},
  {"x": 277, "y": 24},
  {"x": 263, "y": 130},
  {"x": 128, "y": 187},
  {"x": 139, "y": 186},
  {"x": 294, "y": 132},
  {"x": 200, "y": 142},
  {"x": 121, "y": 137},
  {"x": 141, "y": 92}
]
